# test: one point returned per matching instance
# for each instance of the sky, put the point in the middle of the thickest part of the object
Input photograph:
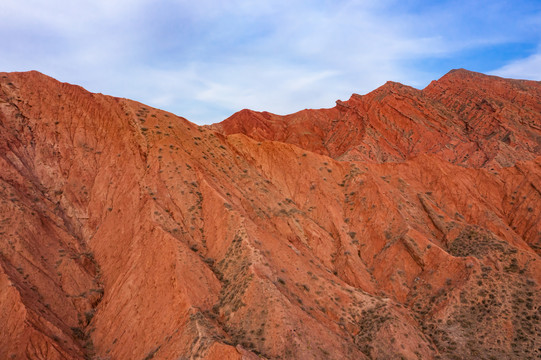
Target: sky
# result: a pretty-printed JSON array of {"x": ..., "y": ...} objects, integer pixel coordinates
[{"x": 207, "y": 59}]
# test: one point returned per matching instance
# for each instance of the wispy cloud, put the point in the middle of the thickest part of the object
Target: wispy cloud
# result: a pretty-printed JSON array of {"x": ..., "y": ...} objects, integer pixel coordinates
[
  {"x": 207, "y": 59},
  {"x": 527, "y": 68}
]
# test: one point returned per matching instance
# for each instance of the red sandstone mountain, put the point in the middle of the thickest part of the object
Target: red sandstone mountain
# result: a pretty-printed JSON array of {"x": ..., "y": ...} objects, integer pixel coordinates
[
  {"x": 400, "y": 224},
  {"x": 465, "y": 118}
]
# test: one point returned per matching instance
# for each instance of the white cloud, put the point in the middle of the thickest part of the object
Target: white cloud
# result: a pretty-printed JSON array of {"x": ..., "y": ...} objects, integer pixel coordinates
[{"x": 528, "y": 68}]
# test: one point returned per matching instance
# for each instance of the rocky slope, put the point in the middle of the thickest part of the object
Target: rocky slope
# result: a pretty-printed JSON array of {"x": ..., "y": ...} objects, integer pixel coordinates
[{"x": 402, "y": 224}]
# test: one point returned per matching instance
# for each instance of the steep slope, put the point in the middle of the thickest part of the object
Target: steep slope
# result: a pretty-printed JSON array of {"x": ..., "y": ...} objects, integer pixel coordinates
[{"x": 129, "y": 233}]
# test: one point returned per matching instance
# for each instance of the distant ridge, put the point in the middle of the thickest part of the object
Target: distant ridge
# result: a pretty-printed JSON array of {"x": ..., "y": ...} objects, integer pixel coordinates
[{"x": 488, "y": 121}]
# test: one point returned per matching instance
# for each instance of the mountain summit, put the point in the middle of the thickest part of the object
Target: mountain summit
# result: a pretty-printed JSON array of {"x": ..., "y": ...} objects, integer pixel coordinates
[{"x": 401, "y": 224}]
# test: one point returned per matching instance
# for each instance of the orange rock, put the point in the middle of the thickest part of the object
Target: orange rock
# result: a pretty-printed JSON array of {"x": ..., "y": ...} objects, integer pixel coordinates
[{"x": 400, "y": 224}]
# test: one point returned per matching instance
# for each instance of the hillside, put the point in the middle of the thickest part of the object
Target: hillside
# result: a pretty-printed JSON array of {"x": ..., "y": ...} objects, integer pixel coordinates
[{"x": 401, "y": 224}]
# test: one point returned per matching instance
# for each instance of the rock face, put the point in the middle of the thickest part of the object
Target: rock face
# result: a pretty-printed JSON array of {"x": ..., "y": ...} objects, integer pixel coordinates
[{"x": 402, "y": 224}]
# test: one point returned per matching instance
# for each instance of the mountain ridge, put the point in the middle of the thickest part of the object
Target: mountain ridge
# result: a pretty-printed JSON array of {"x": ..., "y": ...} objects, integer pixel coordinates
[{"x": 402, "y": 103}]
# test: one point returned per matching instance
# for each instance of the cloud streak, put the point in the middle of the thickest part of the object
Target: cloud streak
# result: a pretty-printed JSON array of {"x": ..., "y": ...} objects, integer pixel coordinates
[
  {"x": 527, "y": 68},
  {"x": 205, "y": 60}
]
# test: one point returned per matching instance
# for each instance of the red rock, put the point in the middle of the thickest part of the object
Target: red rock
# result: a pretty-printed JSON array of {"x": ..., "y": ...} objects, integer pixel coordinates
[{"x": 402, "y": 223}]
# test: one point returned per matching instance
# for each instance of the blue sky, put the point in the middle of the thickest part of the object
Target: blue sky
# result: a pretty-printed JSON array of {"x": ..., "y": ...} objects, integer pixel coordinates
[{"x": 207, "y": 59}]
